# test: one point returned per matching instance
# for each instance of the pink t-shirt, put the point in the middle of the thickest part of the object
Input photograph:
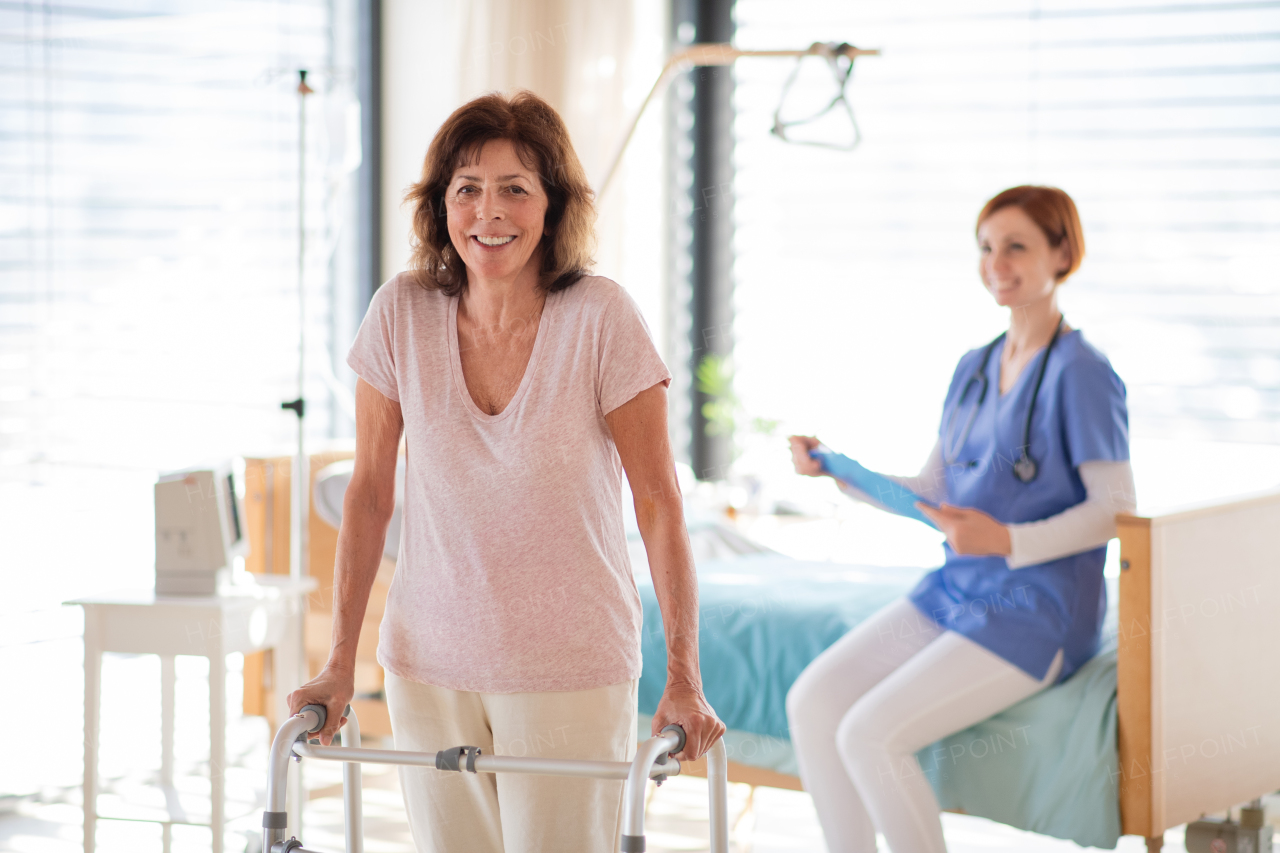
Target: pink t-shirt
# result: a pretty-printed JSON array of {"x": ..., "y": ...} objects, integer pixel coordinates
[{"x": 513, "y": 574}]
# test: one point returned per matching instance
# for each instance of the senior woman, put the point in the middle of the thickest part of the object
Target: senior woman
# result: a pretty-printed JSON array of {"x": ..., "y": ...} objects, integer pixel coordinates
[
  {"x": 1030, "y": 468},
  {"x": 524, "y": 388}
]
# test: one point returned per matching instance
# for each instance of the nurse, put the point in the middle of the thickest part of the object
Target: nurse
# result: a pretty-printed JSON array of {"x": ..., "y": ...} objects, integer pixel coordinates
[{"x": 1029, "y": 470}]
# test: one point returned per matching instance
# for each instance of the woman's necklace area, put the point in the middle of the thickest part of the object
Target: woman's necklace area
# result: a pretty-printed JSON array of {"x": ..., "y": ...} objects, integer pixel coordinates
[
  {"x": 497, "y": 357},
  {"x": 1014, "y": 361},
  {"x": 510, "y": 330}
]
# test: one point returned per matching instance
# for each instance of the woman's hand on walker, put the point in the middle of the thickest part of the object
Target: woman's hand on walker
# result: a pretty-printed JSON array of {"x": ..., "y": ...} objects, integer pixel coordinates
[
  {"x": 969, "y": 531},
  {"x": 332, "y": 688},
  {"x": 684, "y": 705},
  {"x": 805, "y": 464}
]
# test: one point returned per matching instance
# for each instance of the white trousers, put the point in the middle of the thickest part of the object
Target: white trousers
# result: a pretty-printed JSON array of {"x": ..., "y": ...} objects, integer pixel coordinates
[
  {"x": 865, "y": 706},
  {"x": 510, "y": 812}
]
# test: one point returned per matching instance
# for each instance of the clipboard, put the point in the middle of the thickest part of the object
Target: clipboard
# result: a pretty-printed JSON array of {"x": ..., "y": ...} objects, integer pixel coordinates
[{"x": 893, "y": 496}]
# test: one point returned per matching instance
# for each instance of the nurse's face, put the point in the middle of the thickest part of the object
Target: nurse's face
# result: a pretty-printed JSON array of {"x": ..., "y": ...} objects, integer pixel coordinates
[{"x": 1017, "y": 264}]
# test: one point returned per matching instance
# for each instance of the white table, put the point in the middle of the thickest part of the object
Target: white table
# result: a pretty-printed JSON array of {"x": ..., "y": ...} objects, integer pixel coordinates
[{"x": 264, "y": 615}]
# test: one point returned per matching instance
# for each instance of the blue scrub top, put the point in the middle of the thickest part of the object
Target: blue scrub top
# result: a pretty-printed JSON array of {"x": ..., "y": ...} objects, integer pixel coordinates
[{"x": 1026, "y": 615}]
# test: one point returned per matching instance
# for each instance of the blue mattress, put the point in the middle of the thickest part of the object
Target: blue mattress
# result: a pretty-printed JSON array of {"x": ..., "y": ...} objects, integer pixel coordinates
[{"x": 1046, "y": 765}]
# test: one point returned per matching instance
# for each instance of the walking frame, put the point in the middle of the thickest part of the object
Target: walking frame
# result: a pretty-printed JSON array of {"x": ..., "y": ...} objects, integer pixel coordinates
[{"x": 652, "y": 761}]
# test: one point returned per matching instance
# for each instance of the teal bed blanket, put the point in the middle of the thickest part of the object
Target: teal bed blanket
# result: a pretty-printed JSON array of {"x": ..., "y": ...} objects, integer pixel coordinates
[{"x": 1047, "y": 765}]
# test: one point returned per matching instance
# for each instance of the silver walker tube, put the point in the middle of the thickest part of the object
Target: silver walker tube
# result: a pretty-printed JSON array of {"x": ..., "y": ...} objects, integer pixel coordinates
[
  {"x": 487, "y": 763},
  {"x": 274, "y": 824},
  {"x": 718, "y": 792},
  {"x": 633, "y": 791},
  {"x": 352, "y": 790}
]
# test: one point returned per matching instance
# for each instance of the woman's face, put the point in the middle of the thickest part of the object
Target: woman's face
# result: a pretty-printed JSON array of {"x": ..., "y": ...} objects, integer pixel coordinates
[
  {"x": 496, "y": 209},
  {"x": 1017, "y": 264}
]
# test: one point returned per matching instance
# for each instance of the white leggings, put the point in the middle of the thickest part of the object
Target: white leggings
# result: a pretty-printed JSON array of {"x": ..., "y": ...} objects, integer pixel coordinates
[{"x": 863, "y": 708}]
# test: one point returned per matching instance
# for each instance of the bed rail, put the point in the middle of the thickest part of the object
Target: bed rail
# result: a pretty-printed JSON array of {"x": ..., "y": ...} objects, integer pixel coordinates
[{"x": 1199, "y": 606}]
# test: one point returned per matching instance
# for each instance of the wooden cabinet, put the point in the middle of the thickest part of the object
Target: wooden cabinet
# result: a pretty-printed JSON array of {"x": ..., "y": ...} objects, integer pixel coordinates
[{"x": 267, "y": 496}]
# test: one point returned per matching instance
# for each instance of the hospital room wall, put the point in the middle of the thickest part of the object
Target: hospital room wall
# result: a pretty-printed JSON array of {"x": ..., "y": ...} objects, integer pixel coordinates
[
  {"x": 856, "y": 272},
  {"x": 593, "y": 61}
]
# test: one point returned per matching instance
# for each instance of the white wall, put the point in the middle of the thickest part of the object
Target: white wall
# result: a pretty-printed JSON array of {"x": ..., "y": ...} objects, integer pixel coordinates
[{"x": 420, "y": 62}]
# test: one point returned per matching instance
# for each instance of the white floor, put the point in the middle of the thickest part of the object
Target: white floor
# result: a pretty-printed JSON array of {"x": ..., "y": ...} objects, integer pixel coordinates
[
  {"x": 41, "y": 767},
  {"x": 41, "y": 752},
  {"x": 778, "y": 822},
  {"x": 784, "y": 822}
]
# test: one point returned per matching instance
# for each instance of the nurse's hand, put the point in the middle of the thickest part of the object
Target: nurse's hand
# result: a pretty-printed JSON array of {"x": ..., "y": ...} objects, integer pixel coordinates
[
  {"x": 805, "y": 464},
  {"x": 970, "y": 531}
]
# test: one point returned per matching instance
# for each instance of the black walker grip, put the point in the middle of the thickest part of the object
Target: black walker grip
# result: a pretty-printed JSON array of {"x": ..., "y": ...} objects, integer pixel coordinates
[
  {"x": 320, "y": 712},
  {"x": 679, "y": 731}
]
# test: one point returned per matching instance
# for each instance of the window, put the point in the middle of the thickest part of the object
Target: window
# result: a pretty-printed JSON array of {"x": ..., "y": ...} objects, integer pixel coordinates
[
  {"x": 149, "y": 177},
  {"x": 1162, "y": 120}
]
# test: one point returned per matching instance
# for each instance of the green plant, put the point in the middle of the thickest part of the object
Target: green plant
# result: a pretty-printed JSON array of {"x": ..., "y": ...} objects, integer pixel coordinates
[
  {"x": 723, "y": 410},
  {"x": 715, "y": 379}
]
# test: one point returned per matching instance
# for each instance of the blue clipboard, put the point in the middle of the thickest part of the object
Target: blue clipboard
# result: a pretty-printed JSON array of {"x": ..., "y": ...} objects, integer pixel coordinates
[{"x": 893, "y": 496}]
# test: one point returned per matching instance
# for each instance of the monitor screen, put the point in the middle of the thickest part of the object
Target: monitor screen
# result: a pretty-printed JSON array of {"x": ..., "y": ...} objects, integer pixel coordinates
[{"x": 233, "y": 508}]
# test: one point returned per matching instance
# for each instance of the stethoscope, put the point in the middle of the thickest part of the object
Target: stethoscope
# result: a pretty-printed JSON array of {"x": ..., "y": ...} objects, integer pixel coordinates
[{"x": 1024, "y": 468}]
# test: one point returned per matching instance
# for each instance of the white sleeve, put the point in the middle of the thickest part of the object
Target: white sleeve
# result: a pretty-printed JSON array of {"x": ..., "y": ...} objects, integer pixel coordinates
[
  {"x": 1109, "y": 490},
  {"x": 930, "y": 483}
]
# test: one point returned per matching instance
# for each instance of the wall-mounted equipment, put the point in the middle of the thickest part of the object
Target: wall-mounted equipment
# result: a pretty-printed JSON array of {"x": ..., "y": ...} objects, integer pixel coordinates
[{"x": 839, "y": 55}]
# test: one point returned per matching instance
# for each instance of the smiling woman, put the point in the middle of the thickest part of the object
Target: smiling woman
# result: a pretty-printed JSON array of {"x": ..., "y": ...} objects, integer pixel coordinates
[
  {"x": 544, "y": 164},
  {"x": 1029, "y": 242},
  {"x": 524, "y": 387},
  {"x": 1025, "y": 484}
]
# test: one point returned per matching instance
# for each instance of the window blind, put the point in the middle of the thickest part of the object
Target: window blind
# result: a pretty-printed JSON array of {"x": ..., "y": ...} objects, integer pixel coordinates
[
  {"x": 1161, "y": 119},
  {"x": 149, "y": 178}
]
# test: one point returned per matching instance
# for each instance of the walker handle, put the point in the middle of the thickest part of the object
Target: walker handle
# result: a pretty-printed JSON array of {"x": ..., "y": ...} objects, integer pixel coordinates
[
  {"x": 679, "y": 732},
  {"x": 320, "y": 712}
]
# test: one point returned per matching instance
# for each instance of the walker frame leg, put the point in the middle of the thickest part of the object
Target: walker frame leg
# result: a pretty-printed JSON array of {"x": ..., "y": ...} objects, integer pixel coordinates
[
  {"x": 275, "y": 819},
  {"x": 651, "y": 761},
  {"x": 633, "y": 794},
  {"x": 352, "y": 789},
  {"x": 718, "y": 793}
]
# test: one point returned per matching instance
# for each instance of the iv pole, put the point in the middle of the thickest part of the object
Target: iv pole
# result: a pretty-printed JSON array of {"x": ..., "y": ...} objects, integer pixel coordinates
[
  {"x": 300, "y": 480},
  {"x": 713, "y": 54}
]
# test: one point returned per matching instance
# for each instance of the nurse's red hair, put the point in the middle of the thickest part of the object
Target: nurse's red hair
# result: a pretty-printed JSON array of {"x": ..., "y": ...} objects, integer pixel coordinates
[{"x": 1052, "y": 210}]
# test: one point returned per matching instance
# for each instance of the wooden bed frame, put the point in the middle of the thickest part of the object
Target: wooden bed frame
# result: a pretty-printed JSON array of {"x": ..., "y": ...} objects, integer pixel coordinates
[
  {"x": 1198, "y": 699},
  {"x": 1198, "y": 717}
]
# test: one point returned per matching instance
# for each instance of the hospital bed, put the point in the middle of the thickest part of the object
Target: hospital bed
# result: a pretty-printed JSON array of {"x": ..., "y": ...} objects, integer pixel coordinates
[
  {"x": 1173, "y": 719},
  {"x": 1047, "y": 765}
]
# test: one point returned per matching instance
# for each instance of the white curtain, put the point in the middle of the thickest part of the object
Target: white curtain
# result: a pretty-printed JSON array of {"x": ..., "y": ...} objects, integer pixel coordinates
[{"x": 592, "y": 61}]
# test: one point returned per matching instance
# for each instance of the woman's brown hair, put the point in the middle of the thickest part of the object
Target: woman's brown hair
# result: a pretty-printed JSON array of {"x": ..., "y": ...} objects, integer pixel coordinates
[
  {"x": 542, "y": 143},
  {"x": 1049, "y": 208}
]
